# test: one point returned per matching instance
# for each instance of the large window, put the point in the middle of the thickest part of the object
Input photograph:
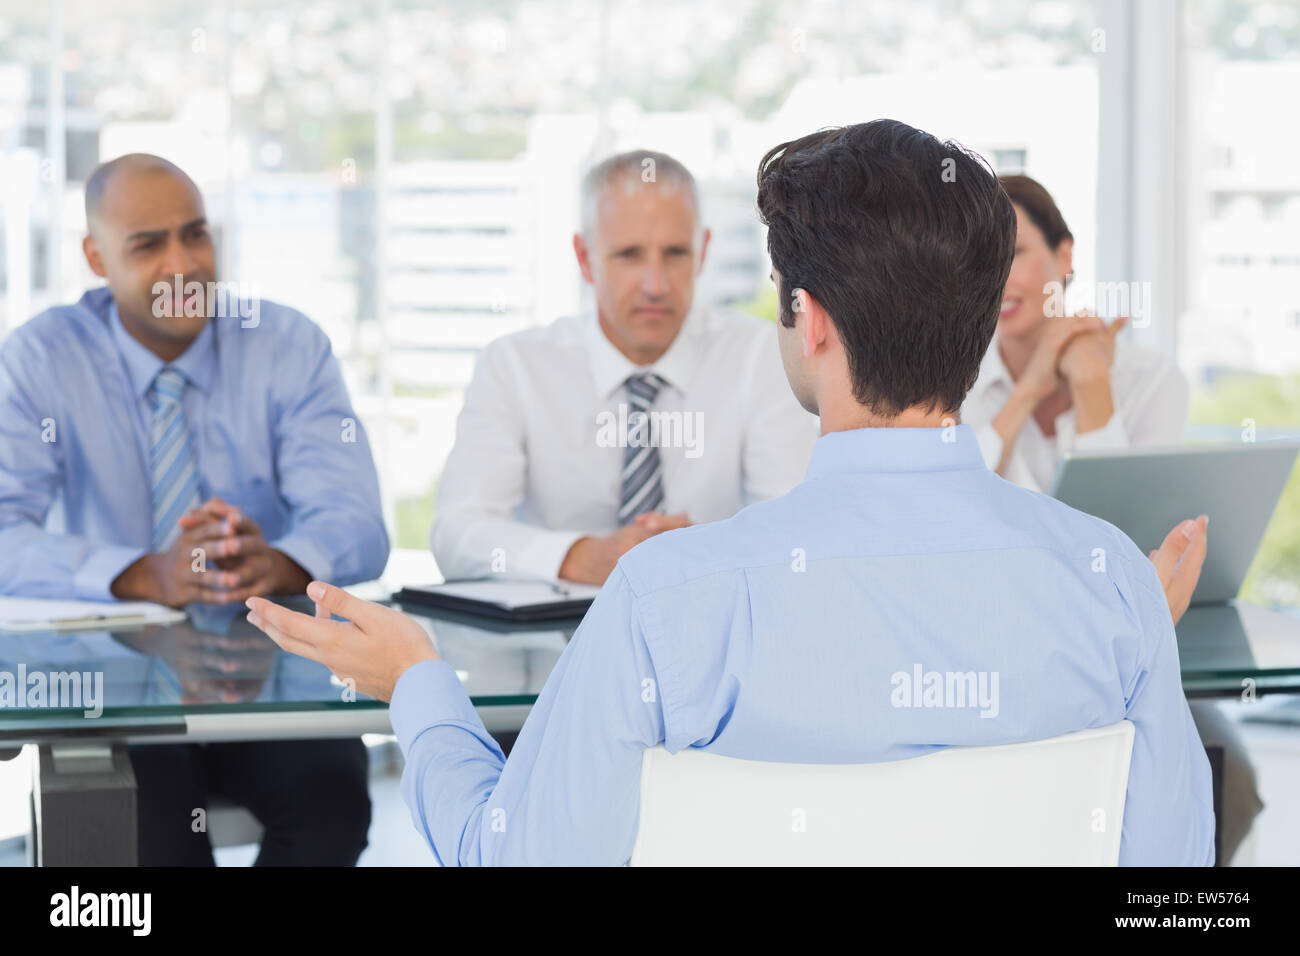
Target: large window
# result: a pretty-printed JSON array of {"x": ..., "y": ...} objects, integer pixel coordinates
[
  {"x": 407, "y": 173},
  {"x": 1239, "y": 330}
]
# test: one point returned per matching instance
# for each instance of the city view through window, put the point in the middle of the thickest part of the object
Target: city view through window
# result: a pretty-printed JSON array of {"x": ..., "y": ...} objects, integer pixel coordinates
[{"x": 406, "y": 174}]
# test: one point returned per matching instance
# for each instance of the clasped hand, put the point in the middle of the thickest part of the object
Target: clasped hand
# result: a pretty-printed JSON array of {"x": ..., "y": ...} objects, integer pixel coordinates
[{"x": 220, "y": 557}]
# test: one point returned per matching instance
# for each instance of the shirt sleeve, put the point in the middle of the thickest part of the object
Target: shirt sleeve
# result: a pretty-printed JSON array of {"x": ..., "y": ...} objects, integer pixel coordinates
[
  {"x": 1159, "y": 416},
  {"x": 35, "y": 562},
  {"x": 570, "y": 792},
  {"x": 484, "y": 480},
  {"x": 779, "y": 434},
  {"x": 1153, "y": 412},
  {"x": 1112, "y": 435},
  {"x": 326, "y": 472},
  {"x": 1169, "y": 808}
]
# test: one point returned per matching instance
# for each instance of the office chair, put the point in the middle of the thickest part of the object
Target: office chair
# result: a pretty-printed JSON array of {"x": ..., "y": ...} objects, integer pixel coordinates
[{"x": 1055, "y": 802}]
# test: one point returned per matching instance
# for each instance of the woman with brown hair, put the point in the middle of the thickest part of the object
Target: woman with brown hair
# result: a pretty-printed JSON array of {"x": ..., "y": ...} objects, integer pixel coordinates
[{"x": 1053, "y": 383}]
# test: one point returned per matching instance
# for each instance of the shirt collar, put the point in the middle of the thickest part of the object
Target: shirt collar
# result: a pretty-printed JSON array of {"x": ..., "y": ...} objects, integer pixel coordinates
[
  {"x": 610, "y": 368},
  {"x": 992, "y": 369},
  {"x": 197, "y": 363},
  {"x": 882, "y": 450}
]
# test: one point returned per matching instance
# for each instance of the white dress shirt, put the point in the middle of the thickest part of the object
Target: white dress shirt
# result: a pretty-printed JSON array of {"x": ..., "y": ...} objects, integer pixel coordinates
[
  {"x": 1150, "y": 396},
  {"x": 532, "y": 469}
]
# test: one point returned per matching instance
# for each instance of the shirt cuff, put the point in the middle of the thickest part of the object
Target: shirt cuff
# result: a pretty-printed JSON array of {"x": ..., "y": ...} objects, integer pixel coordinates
[
  {"x": 1110, "y": 435},
  {"x": 544, "y": 553},
  {"x": 426, "y": 694},
  {"x": 97, "y": 573},
  {"x": 308, "y": 555}
]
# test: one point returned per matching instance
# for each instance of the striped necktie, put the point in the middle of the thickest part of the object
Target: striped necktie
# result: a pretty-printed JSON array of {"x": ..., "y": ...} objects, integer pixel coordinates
[
  {"x": 171, "y": 459},
  {"x": 642, "y": 487}
]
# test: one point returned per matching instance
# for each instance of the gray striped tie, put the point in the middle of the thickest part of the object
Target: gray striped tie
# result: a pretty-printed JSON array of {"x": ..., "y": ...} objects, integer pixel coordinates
[
  {"x": 171, "y": 459},
  {"x": 641, "y": 488}
]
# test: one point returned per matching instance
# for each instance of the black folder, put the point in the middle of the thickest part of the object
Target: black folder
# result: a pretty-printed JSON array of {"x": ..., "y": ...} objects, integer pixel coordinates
[{"x": 505, "y": 600}]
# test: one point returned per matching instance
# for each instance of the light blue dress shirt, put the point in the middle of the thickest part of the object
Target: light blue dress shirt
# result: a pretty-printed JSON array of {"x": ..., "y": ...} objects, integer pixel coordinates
[
  {"x": 269, "y": 419},
  {"x": 779, "y": 634}
]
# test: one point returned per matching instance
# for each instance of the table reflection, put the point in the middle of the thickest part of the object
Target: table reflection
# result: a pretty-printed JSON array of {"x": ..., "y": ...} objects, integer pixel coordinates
[{"x": 216, "y": 661}]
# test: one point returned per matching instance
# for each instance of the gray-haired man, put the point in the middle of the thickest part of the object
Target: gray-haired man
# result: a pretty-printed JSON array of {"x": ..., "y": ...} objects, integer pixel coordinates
[{"x": 582, "y": 438}]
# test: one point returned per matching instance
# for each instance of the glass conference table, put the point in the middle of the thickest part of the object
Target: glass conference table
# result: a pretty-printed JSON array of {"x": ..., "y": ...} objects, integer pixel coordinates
[
  {"x": 82, "y": 696},
  {"x": 214, "y": 677}
]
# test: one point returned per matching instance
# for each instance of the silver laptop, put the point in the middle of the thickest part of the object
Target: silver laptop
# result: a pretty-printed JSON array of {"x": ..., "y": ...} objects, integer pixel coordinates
[{"x": 1146, "y": 491}]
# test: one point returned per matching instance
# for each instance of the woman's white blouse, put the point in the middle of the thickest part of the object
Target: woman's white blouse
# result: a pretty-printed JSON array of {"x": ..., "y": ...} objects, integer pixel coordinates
[{"x": 1150, "y": 396}]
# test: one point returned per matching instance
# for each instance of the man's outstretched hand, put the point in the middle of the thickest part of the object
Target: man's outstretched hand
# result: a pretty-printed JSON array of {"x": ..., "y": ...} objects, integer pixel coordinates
[
  {"x": 1179, "y": 561},
  {"x": 372, "y": 648}
]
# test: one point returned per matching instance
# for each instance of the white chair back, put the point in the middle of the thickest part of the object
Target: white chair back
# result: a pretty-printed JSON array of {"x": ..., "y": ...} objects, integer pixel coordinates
[{"x": 1055, "y": 802}]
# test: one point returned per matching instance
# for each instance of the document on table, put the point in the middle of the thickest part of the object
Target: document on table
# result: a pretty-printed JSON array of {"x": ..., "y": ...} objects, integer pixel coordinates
[
  {"x": 47, "y": 614},
  {"x": 517, "y": 599}
]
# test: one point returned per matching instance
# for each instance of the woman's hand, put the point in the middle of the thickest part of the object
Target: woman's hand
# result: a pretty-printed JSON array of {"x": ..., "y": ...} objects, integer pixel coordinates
[
  {"x": 1042, "y": 375},
  {"x": 1089, "y": 357}
]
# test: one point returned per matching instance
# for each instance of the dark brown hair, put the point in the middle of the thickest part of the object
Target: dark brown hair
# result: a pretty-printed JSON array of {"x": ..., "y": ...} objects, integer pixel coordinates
[
  {"x": 1039, "y": 206},
  {"x": 906, "y": 241}
]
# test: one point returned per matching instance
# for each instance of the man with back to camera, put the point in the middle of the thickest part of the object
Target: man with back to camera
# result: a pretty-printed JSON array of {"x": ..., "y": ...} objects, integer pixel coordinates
[
  {"x": 153, "y": 450},
  {"x": 775, "y": 635},
  {"x": 554, "y": 473}
]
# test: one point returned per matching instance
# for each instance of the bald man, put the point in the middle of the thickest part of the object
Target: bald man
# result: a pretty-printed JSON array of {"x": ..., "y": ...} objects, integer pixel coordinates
[{"x": 163, "y": 441}]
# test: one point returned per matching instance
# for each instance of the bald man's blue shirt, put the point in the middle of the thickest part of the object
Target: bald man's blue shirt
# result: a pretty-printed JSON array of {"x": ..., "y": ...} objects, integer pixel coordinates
[
  {"x": 269, "y": 419},
  {"x": 780, "y": 634}
]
